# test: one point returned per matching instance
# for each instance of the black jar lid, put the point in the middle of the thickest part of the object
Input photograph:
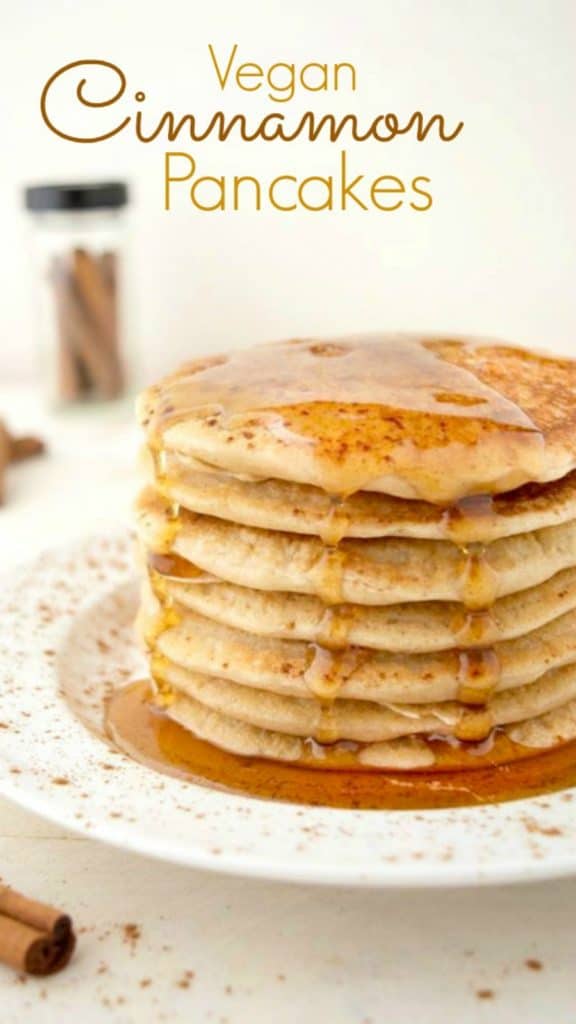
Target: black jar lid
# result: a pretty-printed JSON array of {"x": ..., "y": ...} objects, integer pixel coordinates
[{"x": 98, "y": 195}]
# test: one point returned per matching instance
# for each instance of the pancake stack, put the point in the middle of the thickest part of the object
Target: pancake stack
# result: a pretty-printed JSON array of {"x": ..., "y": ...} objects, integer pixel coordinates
[{"x": 362, "y": 552}]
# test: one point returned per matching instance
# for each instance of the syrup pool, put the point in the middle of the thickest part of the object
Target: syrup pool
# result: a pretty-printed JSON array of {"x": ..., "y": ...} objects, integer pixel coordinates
[{"x": 148, "y": 735}]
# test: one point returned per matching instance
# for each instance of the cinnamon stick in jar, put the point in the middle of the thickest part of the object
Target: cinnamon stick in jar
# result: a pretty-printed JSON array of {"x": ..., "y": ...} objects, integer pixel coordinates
[
  {"x": 79, "y": 229},
  {"x": 34, "y": 937},
  {"x": 89, "y": 356}
]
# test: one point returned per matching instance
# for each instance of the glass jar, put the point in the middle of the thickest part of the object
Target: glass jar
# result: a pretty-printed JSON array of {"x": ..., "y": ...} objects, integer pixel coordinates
[{"x": 79, "y": 234}]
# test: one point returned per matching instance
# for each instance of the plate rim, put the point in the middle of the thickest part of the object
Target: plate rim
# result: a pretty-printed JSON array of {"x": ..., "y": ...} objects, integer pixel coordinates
[{"x": 441, "y": 876}]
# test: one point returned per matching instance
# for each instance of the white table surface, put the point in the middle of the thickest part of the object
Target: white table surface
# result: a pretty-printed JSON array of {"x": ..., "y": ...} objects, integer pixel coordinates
[{"x": 210, "y": 948}]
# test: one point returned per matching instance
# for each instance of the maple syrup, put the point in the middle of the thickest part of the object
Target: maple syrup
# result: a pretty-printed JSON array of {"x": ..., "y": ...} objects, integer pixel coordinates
[
  {"x": 334, "y": 627},
  {"x": 336, "y": 522},
  {"x": 478, "y": 674},
  {"x": 330, "y": 575},
  {"x": 497, "y": 770},
  {"x": 409, "y": 405},
  {"x": 167, "y": 567},
  {"x": 328, "y": 670},
  {"x": 470, "y": 628},
  {"x": 479, "y": 665},
  {"x": 475, "y": 725}
]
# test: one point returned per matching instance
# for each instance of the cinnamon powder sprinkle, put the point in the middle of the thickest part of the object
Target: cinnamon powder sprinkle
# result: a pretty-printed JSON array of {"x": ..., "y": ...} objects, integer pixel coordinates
[
  {"x": 187, "y": 977},
  {"x": 534, "y": 827},
  {"x": 533, "y": 965},
  {"x": 132, "y": 934}
]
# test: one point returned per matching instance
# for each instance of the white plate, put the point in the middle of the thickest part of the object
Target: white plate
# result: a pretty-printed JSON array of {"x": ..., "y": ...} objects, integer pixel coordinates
[{"x": 65, "y": 629}]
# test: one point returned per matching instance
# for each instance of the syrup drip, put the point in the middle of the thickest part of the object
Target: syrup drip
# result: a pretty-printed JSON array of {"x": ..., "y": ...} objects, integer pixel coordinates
[
  {"x": 470, "y": 628},
  {"x": 330, "y": 575},
  {"x": 327, "y": 728},
  {"x": 478, "y": 675},
  {"x": 330, "y": 660},
  {"x": 473, "y": 748},
  {"x": 479, "y": 668},
  {"x": 334, "y": 628},
  {"x": 173, "y": 567},
  {"x": 478, "y": 579},
  {"x": 474, "y": 726},
  {"x": 166, "y": 618},
  {"x": 168, "y": 615},
  {"x": 336, "y": 523},
  {"x": 333, "y": 662},
  {"x": 163, "y": 695},
  {"x": 159, "y": 463},
  {"x": 327, "y": 670},
  {"x": 461, "y": 519},
  {"x": 159, "y": 459}
]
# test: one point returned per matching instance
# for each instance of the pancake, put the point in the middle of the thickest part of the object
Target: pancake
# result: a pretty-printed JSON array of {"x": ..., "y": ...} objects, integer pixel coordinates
[
  {"x": 300, "y": 508},
  {"x": 407, "y": 753},
  {"x": 403, "y": 628},
  {"x": 363, "y": 721},
  {"x": 385, "y": 413},
  {"x": 372, "y": 572},
  {"x": 549, "y": 730},
  {"x": 292, "y": 668}
]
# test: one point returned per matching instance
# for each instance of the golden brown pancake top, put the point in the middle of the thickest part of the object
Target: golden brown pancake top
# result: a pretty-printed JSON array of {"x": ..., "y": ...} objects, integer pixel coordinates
[{"x": 438, "y": 418}]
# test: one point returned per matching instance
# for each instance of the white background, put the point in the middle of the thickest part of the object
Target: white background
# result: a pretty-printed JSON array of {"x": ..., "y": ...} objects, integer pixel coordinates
[{"x": 495, "y": 254}]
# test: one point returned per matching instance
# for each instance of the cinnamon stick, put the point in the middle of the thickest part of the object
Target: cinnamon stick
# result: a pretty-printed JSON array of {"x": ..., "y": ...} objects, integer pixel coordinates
[
  {"x": 95, "y": 293},
  {"x": 106, "y": 272},
  {"x": 15, "y": 449},
  {"x": 109, "y": 270},
  {"x": 26, "y": 447},
  {"x": 69, "y": 380},
  {"x": 88, "y": 348},
  {"x": 5, "y": 454},
  {"x": 34, "y": 937},
  {"x": 91, "y": 365},
  {"x": 38, "y": 915}
]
